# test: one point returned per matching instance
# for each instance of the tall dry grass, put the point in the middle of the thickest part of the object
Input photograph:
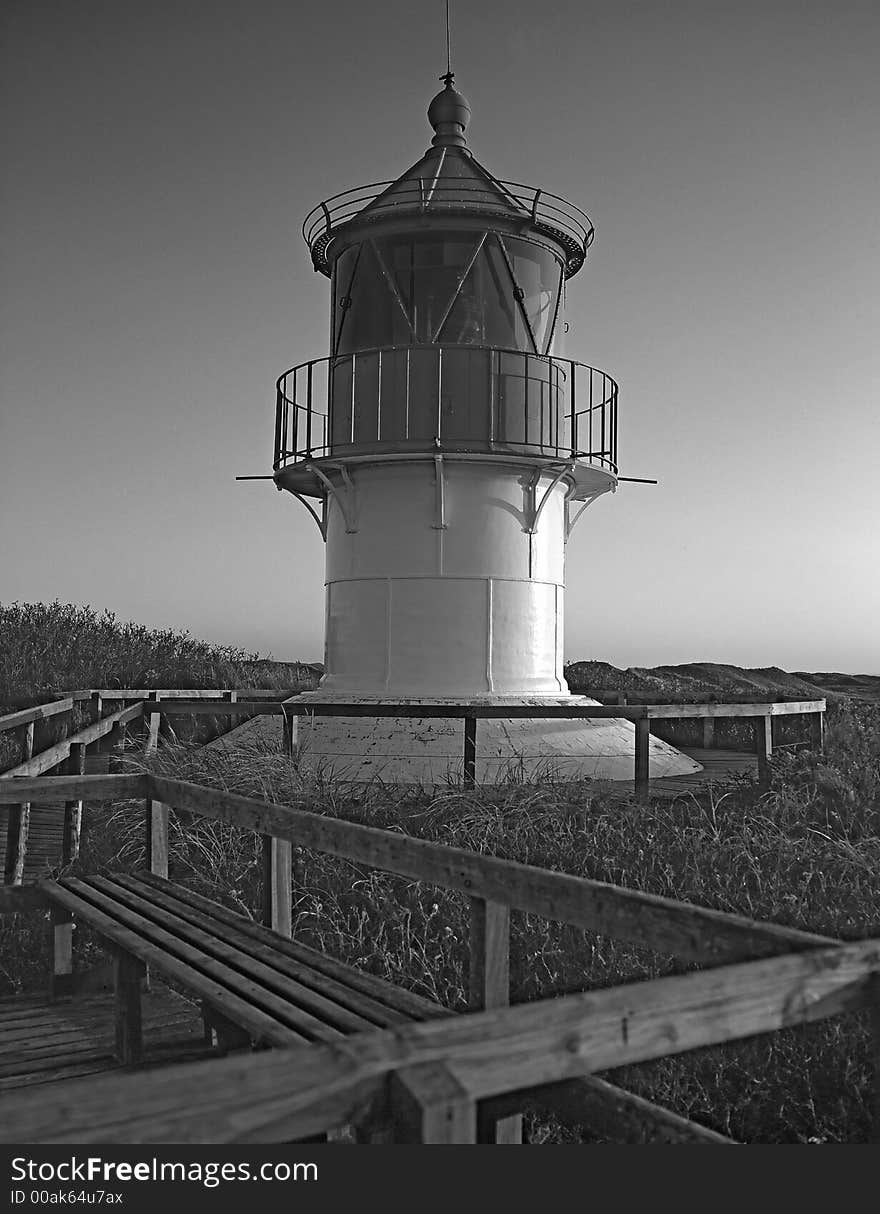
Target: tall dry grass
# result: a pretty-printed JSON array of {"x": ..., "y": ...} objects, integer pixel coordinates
[{"x": 45, "y": 647}]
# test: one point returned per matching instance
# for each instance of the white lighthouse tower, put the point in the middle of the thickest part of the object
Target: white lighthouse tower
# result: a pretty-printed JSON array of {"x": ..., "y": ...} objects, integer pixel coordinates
[{"x": 446, "y": 449}]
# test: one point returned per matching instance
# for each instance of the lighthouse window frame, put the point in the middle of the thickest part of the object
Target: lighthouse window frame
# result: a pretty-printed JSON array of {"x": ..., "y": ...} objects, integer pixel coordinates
[{"x": 500, "y": 291}]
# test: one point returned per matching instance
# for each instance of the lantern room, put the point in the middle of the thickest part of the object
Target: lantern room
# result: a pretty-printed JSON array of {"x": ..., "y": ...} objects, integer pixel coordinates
[{"x": 446, "y": 321}]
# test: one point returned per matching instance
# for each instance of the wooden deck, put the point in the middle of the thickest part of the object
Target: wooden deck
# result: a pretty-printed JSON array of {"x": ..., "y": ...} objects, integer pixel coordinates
[
  {"x": 43, "y": 1042},
  {"x": 721, "y": 769}
]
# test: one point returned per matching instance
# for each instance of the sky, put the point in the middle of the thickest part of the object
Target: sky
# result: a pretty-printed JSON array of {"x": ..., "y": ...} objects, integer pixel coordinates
[{"x": 159, "y": 159}]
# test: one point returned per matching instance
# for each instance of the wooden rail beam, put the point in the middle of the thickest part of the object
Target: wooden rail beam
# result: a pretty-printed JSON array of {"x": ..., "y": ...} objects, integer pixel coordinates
[
  {"x": 53, "y": 756},
  {"x": 60, "y": 788},
  {"x": 612, "y": 1112},
  {"x": 273, "y": 1097},
  {"x": 216, "y": 708},
  {"x": 648, "y": 920},
  {"x": 41, "y": 712}
]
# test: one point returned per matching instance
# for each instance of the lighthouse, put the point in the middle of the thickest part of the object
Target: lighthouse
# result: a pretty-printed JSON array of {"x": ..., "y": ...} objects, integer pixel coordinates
[{"x": 446, "y": 448}]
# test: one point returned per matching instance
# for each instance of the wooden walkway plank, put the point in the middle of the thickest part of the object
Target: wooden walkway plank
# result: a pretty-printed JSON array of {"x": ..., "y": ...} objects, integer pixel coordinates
[
  {"x": 262, "y": 1025},
  {"x": 159, "y": 910},
  {"x": 648, "y": 920},
  {"x": 75, "y": 1037},
  {"x": 415, "y": 1007},
  {"x": 369, "y": 1011}
]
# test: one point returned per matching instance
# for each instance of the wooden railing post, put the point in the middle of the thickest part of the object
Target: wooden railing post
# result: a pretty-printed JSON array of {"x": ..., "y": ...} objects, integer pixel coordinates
[
  {"x": 708, "y": 731},
  {"x": 764, "y": 747},
  {"x": 61, "y": 949},
  {"x": 430, "y": 1105},
  {"x": 470, "y": 752},
  {"x": 156, "y": 824},
  {"x": 76, "y": 766},
  {"x": 642, "y": 761},
  {"x": 96, "y": 711},
  {"x": 489, "y": 987},
  {"x": 117, "y": 740},
  {"x": 875, "y": 1042},
  {"x": 817, "y": 732},
  {"x": 18, "y": 821},
  {"x": 277, "y": 882},
  {"x": 128, "y": 975},
  {"x": 291, "y": 731},
  {"x": 153, "y": 720}
]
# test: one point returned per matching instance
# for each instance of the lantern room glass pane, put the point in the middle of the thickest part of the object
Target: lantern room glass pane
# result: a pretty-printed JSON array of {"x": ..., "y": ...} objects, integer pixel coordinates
[
  {"x": 427, "y": 271},
  {"x": 454, "y": 288},
  {"x": 367, "y": 313},
  {"x": 538, "y": 275},
  {"x": 486, "y": 312}
]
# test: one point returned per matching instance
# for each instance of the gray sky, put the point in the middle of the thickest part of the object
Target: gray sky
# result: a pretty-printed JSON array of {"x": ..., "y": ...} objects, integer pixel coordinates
[{"x": 160, "y": 158}]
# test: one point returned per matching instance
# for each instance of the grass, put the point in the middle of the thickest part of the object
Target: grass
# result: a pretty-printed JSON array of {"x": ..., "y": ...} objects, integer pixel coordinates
[{"x": 49, "y": 647}]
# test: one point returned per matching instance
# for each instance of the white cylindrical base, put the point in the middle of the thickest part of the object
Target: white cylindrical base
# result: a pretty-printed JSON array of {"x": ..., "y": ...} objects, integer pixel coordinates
[{"x": 441, "y": 583}]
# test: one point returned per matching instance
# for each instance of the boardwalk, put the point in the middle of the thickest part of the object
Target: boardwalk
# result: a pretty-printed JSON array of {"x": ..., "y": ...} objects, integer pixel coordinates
[
  {"x": 721, "y": 770},
  {"x": 43, "y": 1042}
]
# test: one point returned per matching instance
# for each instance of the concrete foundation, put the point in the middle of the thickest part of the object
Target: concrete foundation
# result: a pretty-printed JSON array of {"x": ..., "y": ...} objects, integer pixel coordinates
[{"x": 429, "y": 750}]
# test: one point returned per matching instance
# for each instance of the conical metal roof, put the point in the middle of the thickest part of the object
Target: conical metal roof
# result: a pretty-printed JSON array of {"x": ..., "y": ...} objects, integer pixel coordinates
[{"x": 449, "y": 180}]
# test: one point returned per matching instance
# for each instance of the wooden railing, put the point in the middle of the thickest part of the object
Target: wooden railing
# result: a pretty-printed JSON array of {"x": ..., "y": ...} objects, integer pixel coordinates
[
  {"x": 431, "y": 1077},
  {"x": 641, "y": 715},
  {"x": 70, "y": 751},
  {"x": 153, "y": 704}
]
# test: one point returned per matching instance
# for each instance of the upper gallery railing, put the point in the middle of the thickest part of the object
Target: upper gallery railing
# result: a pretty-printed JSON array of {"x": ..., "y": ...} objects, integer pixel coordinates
[
  {"x": 556, "y": 217},
  {"x": 455, "y": 398}
]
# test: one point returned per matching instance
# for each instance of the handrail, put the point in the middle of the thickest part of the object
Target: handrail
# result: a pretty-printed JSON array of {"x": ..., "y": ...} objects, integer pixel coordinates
[
  {"x": 40, "y": 712},
  {"x": 573, "y": 419},
  {"x": 650, "y": 921},
  {"x": 56, "y": 754},
  {"x": 268, "y": 1097},
  {"x": 546, "y": 212}
]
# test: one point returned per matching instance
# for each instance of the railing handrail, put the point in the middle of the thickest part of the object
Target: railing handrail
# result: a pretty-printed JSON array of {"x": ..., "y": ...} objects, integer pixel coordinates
[
  {"x": 316, "y": 1087},
  {"x": 441, "y": 345},
  {"x": 547, "y": 211},
  {"x": 590, "y": 413}
]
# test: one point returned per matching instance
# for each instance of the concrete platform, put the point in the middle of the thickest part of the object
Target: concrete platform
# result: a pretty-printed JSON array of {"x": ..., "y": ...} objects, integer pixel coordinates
[{"x": 429, "y": 751}]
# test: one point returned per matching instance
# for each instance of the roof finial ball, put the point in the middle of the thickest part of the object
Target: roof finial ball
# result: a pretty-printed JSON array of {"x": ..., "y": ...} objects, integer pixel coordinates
[{"x": 449, "y": 114}]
